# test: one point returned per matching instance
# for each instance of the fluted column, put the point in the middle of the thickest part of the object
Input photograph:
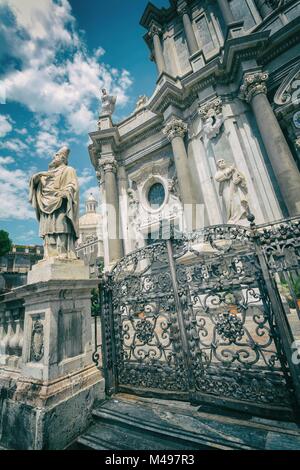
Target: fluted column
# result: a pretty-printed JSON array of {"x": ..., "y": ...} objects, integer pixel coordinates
[
  {"x": 263, "y": 7},
  {"x": 254, "y": 91},
  {"x": 188, "y": 28},
  {"x": 226, "y": 12},
  {"x": 175, "y": 129},
  {"x": 154, "y": 33},
  {"x": 108, "y": 167}
]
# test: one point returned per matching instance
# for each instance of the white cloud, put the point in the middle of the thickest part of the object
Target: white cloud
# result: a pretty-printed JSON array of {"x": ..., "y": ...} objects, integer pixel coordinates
[
  {"x": 21, "y": 131},
  {"x": 14, "y": 145},
  {"x": 46, "y": 143},
  {"x": 6, "y": 160},
  {"x": 14, "y": 191},
  {"x": 85, "y": 177},
  {"x": 57, "y": 76},
  {"x": 25, "y": 236},
  {"x": 5, "y": 125}
]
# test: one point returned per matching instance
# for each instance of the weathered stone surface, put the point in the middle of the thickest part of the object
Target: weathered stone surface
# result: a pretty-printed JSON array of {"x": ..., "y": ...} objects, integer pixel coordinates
[{"x": 58, "y": 269}]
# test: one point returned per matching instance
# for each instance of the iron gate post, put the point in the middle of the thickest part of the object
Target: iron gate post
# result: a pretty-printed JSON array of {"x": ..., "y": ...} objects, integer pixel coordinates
[
  {"x": 284, "y": 329},
  {"x": 182, "y": 327},
  {"x": 107, "y": 332}
]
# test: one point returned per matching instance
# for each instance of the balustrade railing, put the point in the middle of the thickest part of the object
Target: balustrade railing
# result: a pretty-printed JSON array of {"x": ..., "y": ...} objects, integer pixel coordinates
[{"x": 11, "y": 335}]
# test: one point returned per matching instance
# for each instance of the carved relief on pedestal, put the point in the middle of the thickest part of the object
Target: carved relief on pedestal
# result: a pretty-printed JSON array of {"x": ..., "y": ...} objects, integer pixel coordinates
[
  {"x": 212, "y": 117},
  {"x": 37, "y": 341}
]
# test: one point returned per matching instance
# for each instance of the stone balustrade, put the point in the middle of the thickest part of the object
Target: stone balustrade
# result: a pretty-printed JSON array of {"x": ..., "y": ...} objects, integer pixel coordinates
[{"x": 11, "y": 334}]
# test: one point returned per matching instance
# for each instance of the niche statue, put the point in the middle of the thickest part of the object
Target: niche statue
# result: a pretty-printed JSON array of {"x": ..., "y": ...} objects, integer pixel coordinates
[
  {"x": 54, "y": 194},
  {"x": 233, "y": 189}
]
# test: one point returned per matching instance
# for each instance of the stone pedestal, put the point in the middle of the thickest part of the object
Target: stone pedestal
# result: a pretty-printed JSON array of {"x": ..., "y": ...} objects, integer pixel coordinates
[
  {"x": 64, "y": 269},
  {"x": 104, "y": 122},
  {"x": 47, "y": 403}
]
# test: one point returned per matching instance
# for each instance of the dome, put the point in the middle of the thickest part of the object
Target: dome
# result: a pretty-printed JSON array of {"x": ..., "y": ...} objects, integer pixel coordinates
[{"x": 91, "y": 198}]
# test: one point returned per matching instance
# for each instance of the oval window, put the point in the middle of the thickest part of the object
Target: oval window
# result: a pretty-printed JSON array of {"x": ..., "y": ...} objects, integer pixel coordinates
[{"x": 156, "y": 195}]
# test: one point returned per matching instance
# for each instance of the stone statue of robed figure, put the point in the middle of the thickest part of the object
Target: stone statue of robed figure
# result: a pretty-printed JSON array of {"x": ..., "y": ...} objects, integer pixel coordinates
[
  {"x": 55, "y": 196},
  {"x": 234, "y": 191}
]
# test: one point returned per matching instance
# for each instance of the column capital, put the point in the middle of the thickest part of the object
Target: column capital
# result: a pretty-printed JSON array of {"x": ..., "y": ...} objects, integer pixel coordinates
[
  {"x": 154, "y": 30},
  {"x": 212, "y": 108},
  {"x": 175, "y": 128},
  {"x": 108, "y": 164},
  {"x": 253, "y": 84},
  {"x": 182, "y": 8}
]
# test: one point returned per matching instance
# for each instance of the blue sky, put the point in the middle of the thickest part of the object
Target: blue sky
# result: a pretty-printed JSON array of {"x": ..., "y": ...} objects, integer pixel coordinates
[{"x": 55, "y": 55}]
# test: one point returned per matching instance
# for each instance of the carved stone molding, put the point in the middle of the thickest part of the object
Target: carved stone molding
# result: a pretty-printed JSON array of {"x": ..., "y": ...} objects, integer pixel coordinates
[
  {"x": 211, "y": 108},
  {"x": 212, "y": 117},
  {"x": 108, "y": 164},
  {"x": 288, "y": 92},
  {"x": 175, "y": 128},
  {"x": 37, "y": 341},
  {"x": 253, "y": 84},
  {"x": 154, "y": 29}
]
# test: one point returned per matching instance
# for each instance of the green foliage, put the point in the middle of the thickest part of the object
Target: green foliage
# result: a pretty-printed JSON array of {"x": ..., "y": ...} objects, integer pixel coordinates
[
  {"x": 5, "y": 243},
  {"x": 284, "y": 289},
  {"x": 296, "y": 287}
]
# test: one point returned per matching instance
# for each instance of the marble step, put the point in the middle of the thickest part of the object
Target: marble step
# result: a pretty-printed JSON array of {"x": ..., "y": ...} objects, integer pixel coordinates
[
  {"x": 183, "y": 424},
  {"x": 165, "y": 423},
  {"x": 108, "y": 436}
]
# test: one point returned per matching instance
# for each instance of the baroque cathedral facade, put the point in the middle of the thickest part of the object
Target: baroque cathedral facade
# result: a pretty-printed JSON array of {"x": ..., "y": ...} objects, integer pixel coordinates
[{"x": 226, "y": 101}]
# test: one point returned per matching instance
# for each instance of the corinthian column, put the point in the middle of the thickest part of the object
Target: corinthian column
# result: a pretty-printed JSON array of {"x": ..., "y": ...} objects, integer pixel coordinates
[
  {"x": 175, "y": 129},
  {"x": 154, "y": 33},
  {"x": 254, "y": 91},
  {"x": 108, "y": 167},
  {"x": 188, "y": 28}
]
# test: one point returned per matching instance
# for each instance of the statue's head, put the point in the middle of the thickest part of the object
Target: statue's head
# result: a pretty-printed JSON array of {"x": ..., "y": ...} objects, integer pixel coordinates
[
  {"x": 104, "y": 92},
  {"x": 61, "y": 156},
  {"x": 221, "y": 164}
]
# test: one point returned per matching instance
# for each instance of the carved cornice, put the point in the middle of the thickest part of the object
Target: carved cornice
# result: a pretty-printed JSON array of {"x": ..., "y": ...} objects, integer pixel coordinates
[
  {"x": 182, "y": 8},
  {"x": 253, "y": 84},
  {"x": 175, "y": 128},
  {"x": 213, "y": 107}
]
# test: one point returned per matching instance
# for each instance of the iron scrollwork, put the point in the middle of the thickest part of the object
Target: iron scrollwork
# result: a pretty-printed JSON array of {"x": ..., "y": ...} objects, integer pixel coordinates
[{"x": 234, "y": 346}]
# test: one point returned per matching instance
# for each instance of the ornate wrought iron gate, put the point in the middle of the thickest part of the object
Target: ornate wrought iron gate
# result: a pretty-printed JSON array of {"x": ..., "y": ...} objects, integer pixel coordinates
[{"x": 201, "y": 318}]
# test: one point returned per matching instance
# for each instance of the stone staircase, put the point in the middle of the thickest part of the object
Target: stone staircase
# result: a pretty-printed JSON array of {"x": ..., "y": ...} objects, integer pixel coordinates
[{"x": 127, "y": 422}]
